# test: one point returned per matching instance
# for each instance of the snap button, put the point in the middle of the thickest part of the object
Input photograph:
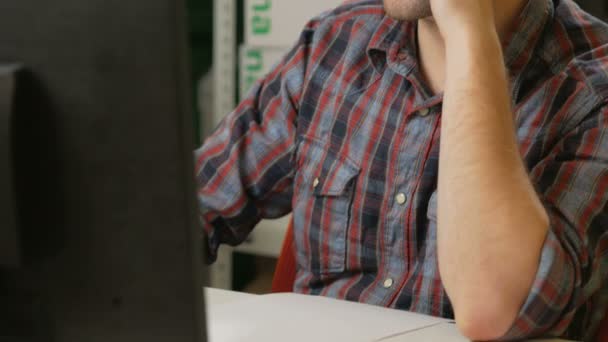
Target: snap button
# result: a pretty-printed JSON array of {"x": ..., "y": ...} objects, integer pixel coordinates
[{"x": 401, "y": 198}]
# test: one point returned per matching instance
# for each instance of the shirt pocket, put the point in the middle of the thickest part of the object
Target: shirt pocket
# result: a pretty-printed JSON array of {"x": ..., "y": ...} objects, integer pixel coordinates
[{"x": 323, "y": 196}]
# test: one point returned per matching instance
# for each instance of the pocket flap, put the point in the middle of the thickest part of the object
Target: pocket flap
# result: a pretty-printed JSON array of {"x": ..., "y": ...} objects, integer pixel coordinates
[
  {"x": 334, "y": 179},
  {"x": 325, "y": 171}
]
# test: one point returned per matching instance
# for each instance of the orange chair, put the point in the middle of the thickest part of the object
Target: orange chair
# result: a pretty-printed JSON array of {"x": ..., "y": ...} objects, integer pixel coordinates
[
  {"x": 285, "y": 272},
  {"x": 602, "y": 336}
]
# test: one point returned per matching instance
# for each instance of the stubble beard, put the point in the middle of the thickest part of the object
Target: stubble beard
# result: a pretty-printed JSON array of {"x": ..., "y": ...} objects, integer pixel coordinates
[{"x": 408, "y": 10}]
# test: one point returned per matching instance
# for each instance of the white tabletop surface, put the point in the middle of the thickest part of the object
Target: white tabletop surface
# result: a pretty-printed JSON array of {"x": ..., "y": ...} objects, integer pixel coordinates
[{"x": 215, "y": 298}]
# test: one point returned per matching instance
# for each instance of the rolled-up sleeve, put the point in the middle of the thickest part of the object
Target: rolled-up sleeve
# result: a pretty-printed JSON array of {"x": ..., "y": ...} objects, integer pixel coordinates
[
  {"x": 573, "y": 184},
  {"x": 243, "y": 170}
]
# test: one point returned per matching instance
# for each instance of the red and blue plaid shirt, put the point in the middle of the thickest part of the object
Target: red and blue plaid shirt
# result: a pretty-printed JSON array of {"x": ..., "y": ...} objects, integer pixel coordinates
[{"x": 344, "y": 134}]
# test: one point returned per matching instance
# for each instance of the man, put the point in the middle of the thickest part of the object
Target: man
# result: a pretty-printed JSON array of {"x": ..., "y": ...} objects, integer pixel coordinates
[{"x": 448, "y": 157}]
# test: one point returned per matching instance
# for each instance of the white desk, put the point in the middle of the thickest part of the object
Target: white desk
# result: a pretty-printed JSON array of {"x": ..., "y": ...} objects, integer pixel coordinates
[
  {"x": 228, "y": 311},
  {"x": 215, "y": 297}
]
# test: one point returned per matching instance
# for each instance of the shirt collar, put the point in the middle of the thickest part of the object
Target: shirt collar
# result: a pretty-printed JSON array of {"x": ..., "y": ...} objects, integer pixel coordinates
[
  {"x": 395, "y": 41},
  {"x": 520, "y": 45}
]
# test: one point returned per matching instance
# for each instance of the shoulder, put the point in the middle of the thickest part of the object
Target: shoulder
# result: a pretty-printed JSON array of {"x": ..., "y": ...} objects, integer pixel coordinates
[
  {"x": 577, "y": 50},
  {"x": 355, "y": 15}
]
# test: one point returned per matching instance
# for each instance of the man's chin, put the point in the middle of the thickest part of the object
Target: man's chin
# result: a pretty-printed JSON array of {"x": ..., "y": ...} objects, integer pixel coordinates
[
  {"x": 408, "y": 10},
  {"x": 409, "y": 18}
]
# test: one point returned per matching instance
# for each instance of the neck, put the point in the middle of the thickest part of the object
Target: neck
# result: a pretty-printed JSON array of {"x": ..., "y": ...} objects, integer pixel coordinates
[{"x": 431, "y": 46}]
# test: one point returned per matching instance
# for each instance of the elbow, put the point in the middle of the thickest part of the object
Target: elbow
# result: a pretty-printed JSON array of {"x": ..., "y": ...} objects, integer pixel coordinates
[
  {"x": 485, "y": 312},
  {"x": 484, "y": 322}
]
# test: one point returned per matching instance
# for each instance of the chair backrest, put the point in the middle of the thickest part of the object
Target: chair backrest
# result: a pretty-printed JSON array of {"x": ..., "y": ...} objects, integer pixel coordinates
[
  {"x": 285, "y": 272},
  {"x": 602, "y": 335}
]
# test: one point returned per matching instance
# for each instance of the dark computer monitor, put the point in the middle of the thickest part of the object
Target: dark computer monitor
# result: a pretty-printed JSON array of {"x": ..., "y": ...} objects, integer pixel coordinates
[
  {"x": 10, "y": 254},
  {"x": 97, "y": 142}
]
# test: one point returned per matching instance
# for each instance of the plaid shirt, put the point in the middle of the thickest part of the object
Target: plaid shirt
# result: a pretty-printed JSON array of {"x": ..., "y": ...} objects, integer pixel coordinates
[{"x": 345, "y": 134}]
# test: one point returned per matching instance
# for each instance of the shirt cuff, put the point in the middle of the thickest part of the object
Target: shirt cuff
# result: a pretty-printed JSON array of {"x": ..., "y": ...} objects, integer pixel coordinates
[
  {"x": 211, "y": 242},
  {"x": 550, "y": 295}
]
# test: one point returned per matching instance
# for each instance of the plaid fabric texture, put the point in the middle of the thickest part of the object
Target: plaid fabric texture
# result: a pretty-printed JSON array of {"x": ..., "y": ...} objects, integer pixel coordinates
[{"x": 344, "y": 134}]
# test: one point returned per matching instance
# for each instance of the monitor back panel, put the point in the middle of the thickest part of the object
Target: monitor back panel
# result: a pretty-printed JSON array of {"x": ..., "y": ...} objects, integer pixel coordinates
[
  {"x": 10, "y": 254},
  {"x": 105, "y": 195}
]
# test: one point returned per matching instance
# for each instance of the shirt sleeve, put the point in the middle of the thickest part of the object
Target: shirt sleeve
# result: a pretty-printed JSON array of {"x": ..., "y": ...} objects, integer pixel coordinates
[
  {"x": 243, "y": 170},
  {"x": 573, "y": 184}
]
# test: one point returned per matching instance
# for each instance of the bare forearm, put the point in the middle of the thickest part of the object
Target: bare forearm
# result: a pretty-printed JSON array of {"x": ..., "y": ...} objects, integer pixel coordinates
[{"x": 491, "y": 223}]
